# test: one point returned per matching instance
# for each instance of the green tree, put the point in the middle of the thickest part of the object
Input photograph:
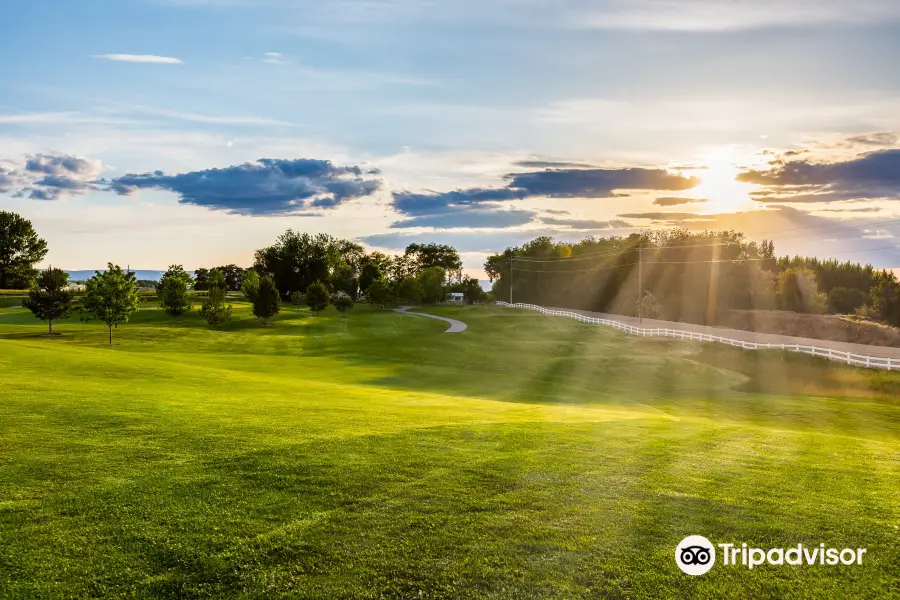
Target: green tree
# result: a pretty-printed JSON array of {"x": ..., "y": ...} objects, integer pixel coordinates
[
  {"x": 49, "y": 300},
  {"x": 298, "y": 299},
  {"x": 20, "y": 250},
  {"x": 472, "y": 291},
  {"x": 798, "y": 291},
  {"x": 250, "y": 284},
  {"x": 234, "y": 277},
  {"x": 425, "y": 256},
  {"x": 201, "y": 279},
  {"x": 215, "y": 310},
  {"x": 431, "y": 281},
  {"x": 172, "y": 291},
  {"x": 111, "y": 297},
  {"x": 409, "y": 290},
  {"x": 342, "y": 301},
  {"x": 379, "y": 292},
  {"x": 886, "y": 298},
  {"x": 267, "y": 302},
  {"x": 317, "y": 296},
  {"x": 370, "y": 273},
  {"x": 845, "y": 301}
]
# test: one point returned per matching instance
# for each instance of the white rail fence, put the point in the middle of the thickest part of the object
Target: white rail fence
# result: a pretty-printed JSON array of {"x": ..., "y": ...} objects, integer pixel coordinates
[{"x": 860, "y": 360}]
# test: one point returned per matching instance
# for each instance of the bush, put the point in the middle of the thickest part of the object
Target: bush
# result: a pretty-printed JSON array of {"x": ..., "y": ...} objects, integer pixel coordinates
[
  {"x": 298, "y": 298},
  {"x": 379, "y": 292},
  {"x": 410, "y": 291},
  {"x": 342, "y": 301},
  {"x": 317, "y": 297}
]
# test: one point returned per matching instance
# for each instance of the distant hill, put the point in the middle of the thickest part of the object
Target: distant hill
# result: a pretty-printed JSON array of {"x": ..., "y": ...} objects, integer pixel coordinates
[{"x": 141, "y": 274}]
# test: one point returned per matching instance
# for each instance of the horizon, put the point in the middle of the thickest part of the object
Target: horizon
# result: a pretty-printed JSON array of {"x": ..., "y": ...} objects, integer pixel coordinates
[{"x": 184, "y": 131}]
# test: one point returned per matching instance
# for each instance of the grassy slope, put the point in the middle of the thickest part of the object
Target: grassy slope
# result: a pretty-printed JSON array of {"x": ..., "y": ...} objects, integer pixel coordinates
[{"x": 373, "y": 456}]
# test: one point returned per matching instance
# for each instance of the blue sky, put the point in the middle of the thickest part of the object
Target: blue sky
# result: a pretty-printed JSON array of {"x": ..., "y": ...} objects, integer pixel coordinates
[{"x": 132, "y": 132}]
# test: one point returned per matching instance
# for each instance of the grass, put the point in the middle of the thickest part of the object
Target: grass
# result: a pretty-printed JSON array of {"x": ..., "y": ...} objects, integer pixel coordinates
[{"x": 373, "y": 456}]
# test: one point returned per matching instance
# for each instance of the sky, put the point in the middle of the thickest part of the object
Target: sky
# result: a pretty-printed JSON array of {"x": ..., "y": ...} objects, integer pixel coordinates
[{"x": 158, "y": 132}]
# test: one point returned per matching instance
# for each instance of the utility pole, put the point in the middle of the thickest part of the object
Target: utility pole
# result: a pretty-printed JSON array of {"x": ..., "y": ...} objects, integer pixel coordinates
[
  {"x": 510, "y": 278},
  {"x": 640, "y": 283}
]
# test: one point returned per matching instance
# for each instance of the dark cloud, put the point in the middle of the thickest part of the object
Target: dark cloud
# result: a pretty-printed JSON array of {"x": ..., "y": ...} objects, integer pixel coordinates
[
  {"x": 475, "y": 219},
  {"x": 555, "y": 211},
  {"x": 675, "y": 201},
  {"x": 60, "y": 164},
  {"x": 552, "y": 183},
  {"x": 872, "y": 175},
  {"x": 587, "y": 223},
  {"x": 265, "y": 187},
  {"x": 597, "y": 183}
]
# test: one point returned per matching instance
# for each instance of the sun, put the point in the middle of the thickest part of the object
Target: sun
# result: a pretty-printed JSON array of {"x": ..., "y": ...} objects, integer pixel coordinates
[{"x": 719, "y": 184}]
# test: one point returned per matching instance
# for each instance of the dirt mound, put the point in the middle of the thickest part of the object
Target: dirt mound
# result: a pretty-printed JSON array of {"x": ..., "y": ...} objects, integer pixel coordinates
[{"x": 824, "y": 327}]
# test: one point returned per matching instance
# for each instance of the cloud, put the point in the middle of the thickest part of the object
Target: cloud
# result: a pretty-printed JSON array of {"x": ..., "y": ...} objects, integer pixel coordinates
[
  {"x": 140, "y": 58},
  {"x": 276, "y": 58},
  {"x": 864, "y": 209},
  {"x": 49, "y": 176},
  {"x": 874, "y": 139},
  {"x": 597, "y": 183},
  {"x": 676, "y": 200},
  {"x": 727, "y": 15},
  {"x": 552, "y": 164},
  {"x": 472, "y": 219},
  {"x": 872, "y": 175},
  {"x": 663, "y": 216},
  {"x": 587, "y": 223},
  {"x": 552, "y": 183},
  {"x": 265, "y": 187}
]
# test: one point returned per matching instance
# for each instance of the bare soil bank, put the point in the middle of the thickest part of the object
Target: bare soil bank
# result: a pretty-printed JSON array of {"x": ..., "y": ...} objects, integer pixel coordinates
[{"x": 823, "y": 327}]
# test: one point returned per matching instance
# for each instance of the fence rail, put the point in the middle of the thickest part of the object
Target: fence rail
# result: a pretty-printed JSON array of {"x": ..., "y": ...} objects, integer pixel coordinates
[{"x": 860, "y": 360}]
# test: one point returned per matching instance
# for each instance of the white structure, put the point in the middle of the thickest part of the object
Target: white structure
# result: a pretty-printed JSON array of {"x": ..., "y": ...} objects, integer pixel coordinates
[
  {"x": 859, "y": 360},
  {"x": 455, "y": 298}
]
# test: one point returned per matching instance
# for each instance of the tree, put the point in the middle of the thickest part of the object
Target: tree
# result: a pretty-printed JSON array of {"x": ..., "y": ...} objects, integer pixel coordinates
[
  {"x": 426, "y": 256},
  {"x": 409, "y": 290},
  {"x": 298, "y": 299},
  {"x": 250, "y": 284},
  {"x": 343, "y": 302},
  {"x": 370, "y": 273},
  {"x": 472, "y": 291},
  {"x": 172, "y": 291},
  {"x": 49, "y": 299},
  {"x": 111, "y": 297},
  {"x": 886, "y": 298},
  {"x": 201, "y": 279},
  {"x": 215, "y": 310},
  {"x": 845, "y": 301},
  {"x": 317, "y": 296},
  {"x": 798, "y": 291},
  {"x": 267, "y": 302},
  {"x": 431, "y": 281},
  {"x": 649, "y": 306},
  {"x": 20, "y": 250},
  {"x": 297, "y": 260},
  {"x": 379, "y": 292},
  {"x": 234, "y": 277}
]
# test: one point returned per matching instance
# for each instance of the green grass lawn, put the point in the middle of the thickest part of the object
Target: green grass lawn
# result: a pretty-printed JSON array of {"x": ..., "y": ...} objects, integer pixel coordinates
[{"x": 373, "y": 456}]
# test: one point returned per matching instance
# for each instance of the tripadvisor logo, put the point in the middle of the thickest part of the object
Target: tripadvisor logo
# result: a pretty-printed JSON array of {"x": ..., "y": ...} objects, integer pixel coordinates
[{"x": 696, "y": 555}]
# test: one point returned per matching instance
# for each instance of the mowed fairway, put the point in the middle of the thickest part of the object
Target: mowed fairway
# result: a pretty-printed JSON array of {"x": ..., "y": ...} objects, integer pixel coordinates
[{"x": 374, "y": 456}]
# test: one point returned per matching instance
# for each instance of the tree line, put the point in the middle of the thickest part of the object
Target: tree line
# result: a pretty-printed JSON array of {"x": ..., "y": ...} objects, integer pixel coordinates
[
  {"x": 315, "y": 270},
  {"x": 689, "y": 277}
]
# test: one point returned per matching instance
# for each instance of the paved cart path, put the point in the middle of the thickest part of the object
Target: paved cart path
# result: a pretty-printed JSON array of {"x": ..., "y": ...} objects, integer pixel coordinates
[{"x": 455, "y": 326}]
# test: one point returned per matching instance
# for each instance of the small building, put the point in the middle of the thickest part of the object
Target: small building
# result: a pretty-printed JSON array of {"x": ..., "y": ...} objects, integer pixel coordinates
[{"x": 455, "y": 298}]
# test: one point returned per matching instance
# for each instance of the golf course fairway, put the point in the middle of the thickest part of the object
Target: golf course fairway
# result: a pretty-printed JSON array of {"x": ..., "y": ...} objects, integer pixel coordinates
[{"x": 373, "y": 456}]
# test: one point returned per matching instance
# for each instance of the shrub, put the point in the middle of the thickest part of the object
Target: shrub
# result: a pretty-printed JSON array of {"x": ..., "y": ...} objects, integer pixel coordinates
[
  {"x": 342, "y": 301},
  {"x": 317, "y": 297},
  {"x": 214, "y": 310},
  {"x": 298, "y": 298},
  {"x": 267, "y": 300}
]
